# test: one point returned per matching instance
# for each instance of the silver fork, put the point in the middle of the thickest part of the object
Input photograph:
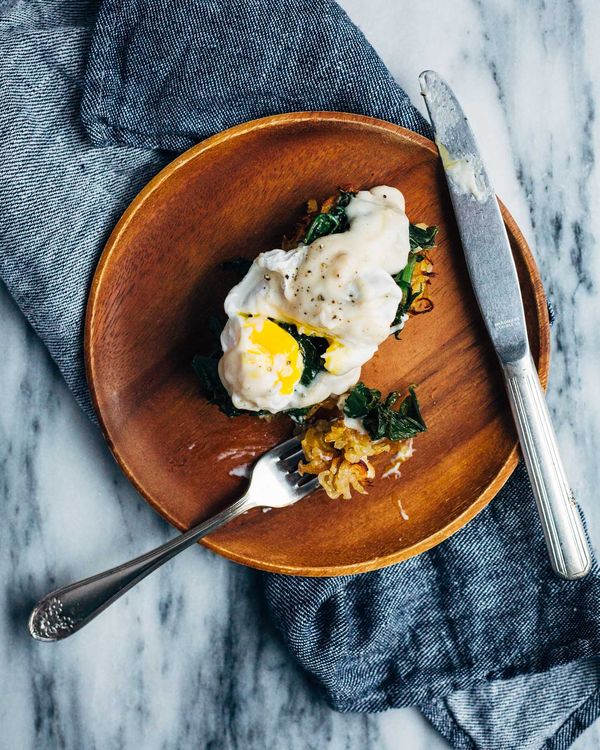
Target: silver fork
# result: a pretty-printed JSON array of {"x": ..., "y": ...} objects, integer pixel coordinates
[{"x": 274, "y": 483}]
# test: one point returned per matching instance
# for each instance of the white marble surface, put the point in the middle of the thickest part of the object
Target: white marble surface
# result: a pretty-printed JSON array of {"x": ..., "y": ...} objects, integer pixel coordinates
[{"x": 188, "y": 658}]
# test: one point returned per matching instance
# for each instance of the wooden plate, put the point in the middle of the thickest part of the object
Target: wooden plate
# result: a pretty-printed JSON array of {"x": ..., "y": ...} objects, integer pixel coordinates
[{"x": 159, "y": 280}]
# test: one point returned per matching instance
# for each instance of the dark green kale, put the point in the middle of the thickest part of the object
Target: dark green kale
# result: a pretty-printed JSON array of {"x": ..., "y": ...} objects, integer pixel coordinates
[
  {"x": 379, "y": 419},
  {"x": 240, "y": 266},
  {"x": 329, "y": 223},
  {"x": 206, "y": 369},
  {"x": 298, "y": 416},
  {"x": 404, "y": 281},
  {"x": 422, "y": 238},
  {"x": 215, "y": 327},
  {"x": 312, "y": 348},
  {"x": 360, "y": 401}
]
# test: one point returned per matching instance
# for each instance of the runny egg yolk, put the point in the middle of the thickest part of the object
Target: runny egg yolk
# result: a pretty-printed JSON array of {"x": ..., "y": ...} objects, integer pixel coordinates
[
  {"x": 273, "y": 345},
  {"x": 331, "y": 357}
]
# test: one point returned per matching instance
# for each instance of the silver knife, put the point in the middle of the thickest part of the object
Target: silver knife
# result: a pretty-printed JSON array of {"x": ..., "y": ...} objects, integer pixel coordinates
[{"x": 494, "y": 278}]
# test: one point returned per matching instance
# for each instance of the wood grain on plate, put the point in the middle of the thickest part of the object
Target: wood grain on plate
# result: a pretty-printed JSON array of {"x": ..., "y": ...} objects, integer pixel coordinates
[{"x": 159, "y": 280}]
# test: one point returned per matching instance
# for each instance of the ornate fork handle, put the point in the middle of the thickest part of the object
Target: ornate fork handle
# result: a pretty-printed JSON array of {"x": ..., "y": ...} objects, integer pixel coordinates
[{"x": 64, "y": 611}]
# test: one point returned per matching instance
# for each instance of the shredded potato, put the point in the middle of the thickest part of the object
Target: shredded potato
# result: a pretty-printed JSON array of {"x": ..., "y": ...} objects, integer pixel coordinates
[{"x": 339, "y": 456}]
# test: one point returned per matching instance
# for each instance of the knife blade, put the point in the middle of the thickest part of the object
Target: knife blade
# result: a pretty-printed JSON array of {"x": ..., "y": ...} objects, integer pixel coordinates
[
  {"x": 496, "y": 285},
  {"x": 481, "y": 228}
]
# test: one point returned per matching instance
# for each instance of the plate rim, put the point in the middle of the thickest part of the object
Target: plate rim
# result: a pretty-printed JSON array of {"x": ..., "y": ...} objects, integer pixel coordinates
[{"x": 485, "y": 497}]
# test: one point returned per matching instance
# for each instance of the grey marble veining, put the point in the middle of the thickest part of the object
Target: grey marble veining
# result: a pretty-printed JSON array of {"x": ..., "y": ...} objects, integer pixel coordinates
[{"x": 188, "y": 659}]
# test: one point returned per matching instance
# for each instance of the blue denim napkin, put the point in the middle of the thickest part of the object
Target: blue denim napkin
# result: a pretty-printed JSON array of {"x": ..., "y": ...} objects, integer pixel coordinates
[{"x": 478, "y": 633}]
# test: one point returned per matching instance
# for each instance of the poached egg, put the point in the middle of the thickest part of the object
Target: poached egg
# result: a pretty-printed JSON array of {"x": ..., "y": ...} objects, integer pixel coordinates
[{"x": 340, "y": 287}]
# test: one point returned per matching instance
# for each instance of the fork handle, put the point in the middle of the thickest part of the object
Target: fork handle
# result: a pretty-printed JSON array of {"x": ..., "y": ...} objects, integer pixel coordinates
[
  {"x": 563, "y": 529},
  {"x": 66, "y": 610}
]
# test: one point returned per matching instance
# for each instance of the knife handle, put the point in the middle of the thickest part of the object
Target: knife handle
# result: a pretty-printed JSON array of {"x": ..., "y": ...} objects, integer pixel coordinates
[{"x": 563, "y": 529}]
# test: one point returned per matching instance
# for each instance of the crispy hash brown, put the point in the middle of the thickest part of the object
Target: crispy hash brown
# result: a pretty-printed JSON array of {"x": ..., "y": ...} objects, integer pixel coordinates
[{"x": 339, "y": 456}]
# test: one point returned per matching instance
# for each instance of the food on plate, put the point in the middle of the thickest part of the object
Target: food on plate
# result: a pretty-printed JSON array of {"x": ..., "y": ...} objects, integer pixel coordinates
[
  {"x": 338, "y": 450},
  {"x": 304, "y": 319}
]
